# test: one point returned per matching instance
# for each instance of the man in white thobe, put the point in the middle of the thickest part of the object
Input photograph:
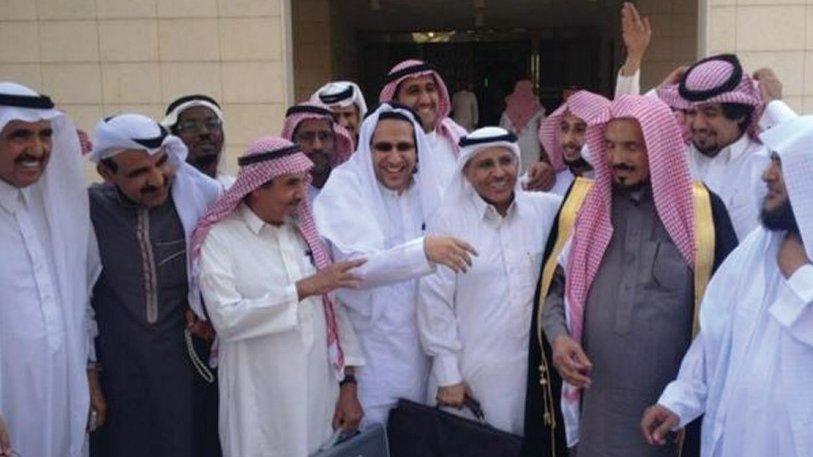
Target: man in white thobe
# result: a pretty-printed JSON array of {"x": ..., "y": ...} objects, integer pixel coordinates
[
  {"x": 464, "y": 107},
  {"x": 749, "y": 369},
  {"x": 286, "y": 350},
  {"x": 50, "y": 262},
  {"x": 475, "y": 326},
  {"x": 375, "y": 206}
]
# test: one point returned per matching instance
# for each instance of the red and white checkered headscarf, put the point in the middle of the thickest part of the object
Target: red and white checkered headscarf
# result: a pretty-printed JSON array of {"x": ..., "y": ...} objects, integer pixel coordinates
[
  {"x": 582, "y": 104},
  {"x": 669, "y": 94},
  {"x": 285, "y": 158},
  {"x": 296, "y": 114},
  {"x": 671, "y": 188},
  {"x": 413, "y": 68},
  {"x": 721, "y": 79},
  {"x": 521, "y": 105}
]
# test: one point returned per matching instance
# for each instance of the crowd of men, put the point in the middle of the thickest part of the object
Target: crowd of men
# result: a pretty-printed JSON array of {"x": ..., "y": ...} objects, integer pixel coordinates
[{"x": 645, "y": 288}]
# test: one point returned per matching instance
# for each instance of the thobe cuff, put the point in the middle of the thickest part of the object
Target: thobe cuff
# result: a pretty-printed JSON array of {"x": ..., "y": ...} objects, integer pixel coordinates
[
  {"x": 787, "y": 310},
  {"x": 775, "y": 112},
  {"x": 628, "y": 84},
  {"x": 415, "y": 256},
  {"x": 673, "y": 399},
  {"x": 446, "y": 370}
]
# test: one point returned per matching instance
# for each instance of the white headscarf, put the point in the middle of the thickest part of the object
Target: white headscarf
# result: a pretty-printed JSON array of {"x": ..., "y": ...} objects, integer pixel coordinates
[
  {"x": 182, "y": 104},
  {"x": 793, "y": 142},
  {"x": 192, "y": 191},
  {"x": 460, "y": 193},
  {"x": 73, "y": 244},
  {"x": 342, "y": 94},
  {"x": 350, "y": 210}
]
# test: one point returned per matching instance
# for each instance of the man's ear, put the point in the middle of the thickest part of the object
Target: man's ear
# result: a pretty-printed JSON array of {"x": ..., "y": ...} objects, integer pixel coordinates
[{"x": 105, "y": 172}]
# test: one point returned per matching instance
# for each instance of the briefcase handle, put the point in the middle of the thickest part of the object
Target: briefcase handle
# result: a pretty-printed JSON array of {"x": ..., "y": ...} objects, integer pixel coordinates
[{"x": 474, "y": 406}]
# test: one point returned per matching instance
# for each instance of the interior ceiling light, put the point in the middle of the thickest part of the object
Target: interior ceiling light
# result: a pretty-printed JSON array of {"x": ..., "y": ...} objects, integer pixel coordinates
[
  {"x": 375, "y": 5},
  {"x": 479, "y": 4}
]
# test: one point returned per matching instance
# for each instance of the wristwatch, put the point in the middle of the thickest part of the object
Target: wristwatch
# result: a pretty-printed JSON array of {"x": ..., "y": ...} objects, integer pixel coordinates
[{"x": 348, "y": 379}]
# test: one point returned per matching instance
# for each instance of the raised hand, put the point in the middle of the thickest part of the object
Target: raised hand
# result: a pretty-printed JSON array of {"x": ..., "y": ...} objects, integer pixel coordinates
[{"x": 636, "y": 33}]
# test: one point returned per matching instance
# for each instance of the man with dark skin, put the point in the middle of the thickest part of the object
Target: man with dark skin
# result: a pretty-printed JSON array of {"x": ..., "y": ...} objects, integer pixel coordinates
[{"x": 198, "y": 121}]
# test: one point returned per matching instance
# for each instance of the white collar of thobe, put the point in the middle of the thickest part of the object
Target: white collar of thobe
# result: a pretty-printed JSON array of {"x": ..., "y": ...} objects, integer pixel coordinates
[
  {"x": 254, "y": 223},
  {"x": 394, "y": 193},
  {"x": 488, "y": 212}
]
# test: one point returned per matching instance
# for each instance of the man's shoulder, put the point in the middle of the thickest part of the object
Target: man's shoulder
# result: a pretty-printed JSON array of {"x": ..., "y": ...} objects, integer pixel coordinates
[
  {"x": 209, "y": 188},
  {"x": 102, "y": 194}
]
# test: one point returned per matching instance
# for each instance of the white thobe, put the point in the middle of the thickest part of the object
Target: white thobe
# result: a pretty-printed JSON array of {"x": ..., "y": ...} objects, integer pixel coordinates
[
  {"x": 313, "y": 192},
  {"x": 735, "y": 175},
  {"x": 564, "y": 179},
  {"x": 383, "y": 310},
  {"x": 43, "y": 400},
  {"x": 444, "y": 160},
  {"x": 225, "y": 180},
  {"x": 528, "y": 139},
  {"x": 475, "y": 325},
  {"x": 750, "y": 368},
  {"x": 278, "y": 390},
  {"x": 464, "y": 105}
]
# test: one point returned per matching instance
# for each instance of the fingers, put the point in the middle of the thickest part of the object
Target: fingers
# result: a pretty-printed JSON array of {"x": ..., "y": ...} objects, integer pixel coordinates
[
  {"x": 648, "y": 424},
  {"x": 659, "y": 434},
  {"x": 190, "y": 318},
  {"x": 467, "y": 247},
  {"x": 350, "y": 264}
]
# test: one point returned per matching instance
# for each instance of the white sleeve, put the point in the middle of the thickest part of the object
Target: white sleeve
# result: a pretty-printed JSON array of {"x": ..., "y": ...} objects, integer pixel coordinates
[
  {"x": 793, "y": 309},
  {"x": 630, "y": 85},
  {"x": 94, "y": 270},
  {"x": 353, "y": 354},
  {"x": 686, "y": 395},
  {"x": 775, "y": 112},
  {"x": 437, "y": 324},
  {"x": 400, "y": 263},
  {"x": 237, "y": 317}
]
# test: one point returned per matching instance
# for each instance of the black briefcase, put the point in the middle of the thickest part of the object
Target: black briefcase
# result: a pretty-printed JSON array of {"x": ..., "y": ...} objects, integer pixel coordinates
[{"x": 416, "y": 430}]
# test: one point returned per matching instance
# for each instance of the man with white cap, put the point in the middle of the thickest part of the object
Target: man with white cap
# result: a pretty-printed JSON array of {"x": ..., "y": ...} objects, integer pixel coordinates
[
  {"x": 346, "y": 101},
  {"x": 198, "y": 121},
  {"x": 287, "y": 351},
  {"x": 50, "y": 262},
  {"x": 749, "y": 369},
  {"x": 148, "y": 308},
  {"x": 375, "y": 206},
  {"x": 418, "y": 85},
  {"x": 475, "y": 326},
  {"x": 312, "y": 126},
  {"x": 619, "y": 307}
]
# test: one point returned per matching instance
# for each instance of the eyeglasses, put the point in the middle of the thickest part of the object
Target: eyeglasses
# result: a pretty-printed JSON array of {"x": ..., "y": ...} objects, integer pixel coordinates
[
  {"x": 310, "y": 137},
  {"x": 386, "y": 146},
  {"x": 197, "y": 127}
]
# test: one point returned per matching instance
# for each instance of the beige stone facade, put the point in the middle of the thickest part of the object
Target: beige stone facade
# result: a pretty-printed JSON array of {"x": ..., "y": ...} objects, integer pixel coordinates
[
  {"x": 99, "y": 57},
  {"x": 773, "y": 33}
]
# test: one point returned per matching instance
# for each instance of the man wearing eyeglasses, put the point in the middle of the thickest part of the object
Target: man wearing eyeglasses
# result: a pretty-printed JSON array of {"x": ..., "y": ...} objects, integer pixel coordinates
[
  {"x": 312, "y": 127},
  {"x": 198, "y": 121}
]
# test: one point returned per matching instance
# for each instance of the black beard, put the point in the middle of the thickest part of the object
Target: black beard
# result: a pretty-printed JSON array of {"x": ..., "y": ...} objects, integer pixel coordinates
[
  {"x": 629, "y": 188},
  {"x": 779, "y": 219},
  {"x": 578, "y": 166}
]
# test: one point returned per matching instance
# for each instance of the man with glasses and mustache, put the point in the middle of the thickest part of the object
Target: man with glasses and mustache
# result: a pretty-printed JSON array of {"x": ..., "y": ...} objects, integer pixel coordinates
[
  {"x": 50, "y": 262},
  {"x": 749, "y": 369},
  {"x": 147, "y": 303},
  {"x": 198, "y": 121},
  {"x": 621, "y": 302},
  {"x": 313, "y": 128}
]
